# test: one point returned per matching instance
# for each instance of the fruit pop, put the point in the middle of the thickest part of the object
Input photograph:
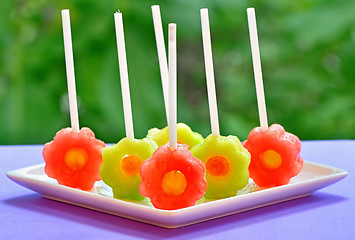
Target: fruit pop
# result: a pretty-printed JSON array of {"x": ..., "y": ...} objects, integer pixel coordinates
[
  {"x": 184, "y": 133},
  {"x": 74, "y": 155},
  {"x": 275, "y": 153},
  {"x": 225, "y": 158},
  {"x": 173, "y": 178},
  {"x": 121, "y": 162}
]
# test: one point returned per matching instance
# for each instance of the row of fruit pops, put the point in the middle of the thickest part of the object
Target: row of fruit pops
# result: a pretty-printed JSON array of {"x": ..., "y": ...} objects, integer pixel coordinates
[{"x": 161, "y": 166}]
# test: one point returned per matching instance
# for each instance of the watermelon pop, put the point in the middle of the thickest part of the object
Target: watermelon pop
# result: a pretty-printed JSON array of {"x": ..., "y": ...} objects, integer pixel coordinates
[
  {"x": 121, "y": 162},
  {"x": 172, "y": 178},
  {"x": 275, "y": 154},
  {"x": 226, "y": 160},
  {"x": 74, "y": 156}
]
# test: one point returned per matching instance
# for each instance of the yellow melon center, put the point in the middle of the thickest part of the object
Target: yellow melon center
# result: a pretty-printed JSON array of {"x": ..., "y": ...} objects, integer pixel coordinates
[
  {"x": 76, "y": 158},
  {"x": 271, "y": 159},
  {"x": 174, "y": 182},
  {"x": 130, "y": 165},
  {"x": 217, "y": 166}
]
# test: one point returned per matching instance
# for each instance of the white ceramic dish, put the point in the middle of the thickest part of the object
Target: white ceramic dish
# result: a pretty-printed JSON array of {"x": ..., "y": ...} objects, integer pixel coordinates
[{"x": 312, "y": 177}]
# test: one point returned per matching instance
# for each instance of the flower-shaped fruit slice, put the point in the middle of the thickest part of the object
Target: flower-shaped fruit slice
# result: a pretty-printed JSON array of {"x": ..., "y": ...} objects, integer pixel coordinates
[
  {"x": 275, "y": 156},
  {"x": 121, "y": 163},
  {"x": 74, "y": 158},
  {"x": 226, "y": 162},
  {"x": 184, "y": 135},
  {"x": 173, "y": 179}
]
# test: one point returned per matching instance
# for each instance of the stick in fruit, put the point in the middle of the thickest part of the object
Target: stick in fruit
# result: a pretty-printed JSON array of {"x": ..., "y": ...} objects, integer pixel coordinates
[
  {"x": 122, "y": 161},
  {"x": 172, "y": 87},
  {"x": 211, "y": 89},
  {"x": 163, "y": 63},
  {"x": 122, "y": 59},
  {"x": 69, "y": 63},
  {"x": 74, "y": 157},
  {"x": 225, "y": 159},
  {"x": 173, "y": 178},
  {"x": 275, "y": 153},
  {"x": 257, "y": 68},
  {"x": 184, "y": 133}
]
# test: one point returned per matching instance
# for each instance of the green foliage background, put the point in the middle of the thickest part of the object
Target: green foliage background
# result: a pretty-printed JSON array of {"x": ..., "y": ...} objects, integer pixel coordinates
[{"x": 307, "y": 53}]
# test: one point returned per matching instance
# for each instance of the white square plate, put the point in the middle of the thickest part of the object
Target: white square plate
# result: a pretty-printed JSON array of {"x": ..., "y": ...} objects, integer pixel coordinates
[{"x": 312, "y": 177}]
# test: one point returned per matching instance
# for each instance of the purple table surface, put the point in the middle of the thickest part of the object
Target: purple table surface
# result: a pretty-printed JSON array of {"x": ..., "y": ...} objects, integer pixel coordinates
[{"x": 327, "y": 214}]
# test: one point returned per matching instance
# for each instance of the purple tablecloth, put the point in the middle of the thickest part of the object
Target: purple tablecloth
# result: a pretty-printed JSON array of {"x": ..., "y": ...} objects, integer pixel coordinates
[{"x": 327, "y": 214}]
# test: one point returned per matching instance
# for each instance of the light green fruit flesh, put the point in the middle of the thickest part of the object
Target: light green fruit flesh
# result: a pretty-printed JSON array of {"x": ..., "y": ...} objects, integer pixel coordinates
[
  {"x": 184, "y": 135},
  {"x": 123, "y": 185},
  {"x": 238, "y": 157}
]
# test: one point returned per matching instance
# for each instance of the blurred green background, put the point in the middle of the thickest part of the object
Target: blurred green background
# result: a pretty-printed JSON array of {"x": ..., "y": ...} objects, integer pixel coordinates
[{"x": 307, "y": 53}]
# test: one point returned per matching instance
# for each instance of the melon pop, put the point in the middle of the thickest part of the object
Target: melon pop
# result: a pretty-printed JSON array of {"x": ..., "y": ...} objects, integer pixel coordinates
[
  {"x": 121, "y": 162},
  {"x": 226, "y": 160},
  {"x": 275, "y": 153},
  {"x": 184, "y": 133},
  {"x": 74, "y": 156},
  {"x": 172, "y": 178}
]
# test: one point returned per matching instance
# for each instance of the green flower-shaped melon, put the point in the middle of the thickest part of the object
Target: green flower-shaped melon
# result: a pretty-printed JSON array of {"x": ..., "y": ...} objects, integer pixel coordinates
[
  {"x": 121, "y": 163},
  {"x": 226, "y": 162},
  {"x": 184, "y": 135}
]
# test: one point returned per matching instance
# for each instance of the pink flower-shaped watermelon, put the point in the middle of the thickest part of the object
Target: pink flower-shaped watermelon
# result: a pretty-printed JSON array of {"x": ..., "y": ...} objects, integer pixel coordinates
[
  {"x": 74, "y": 158},
  {"x": 173, "y": 179},
  {"x": 275, "y": 156}
]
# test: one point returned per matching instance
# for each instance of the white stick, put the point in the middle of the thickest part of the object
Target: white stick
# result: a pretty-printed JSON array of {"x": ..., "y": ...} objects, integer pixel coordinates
[
  {"x": 257, "y": 68},
  {"x": 163, "y": 63},
  {"x": 122, "y": 60},
  {"x": 69, "y": 63},
  {"x": 172, "y": 87},
  {"x": 211, "y": 89}
]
